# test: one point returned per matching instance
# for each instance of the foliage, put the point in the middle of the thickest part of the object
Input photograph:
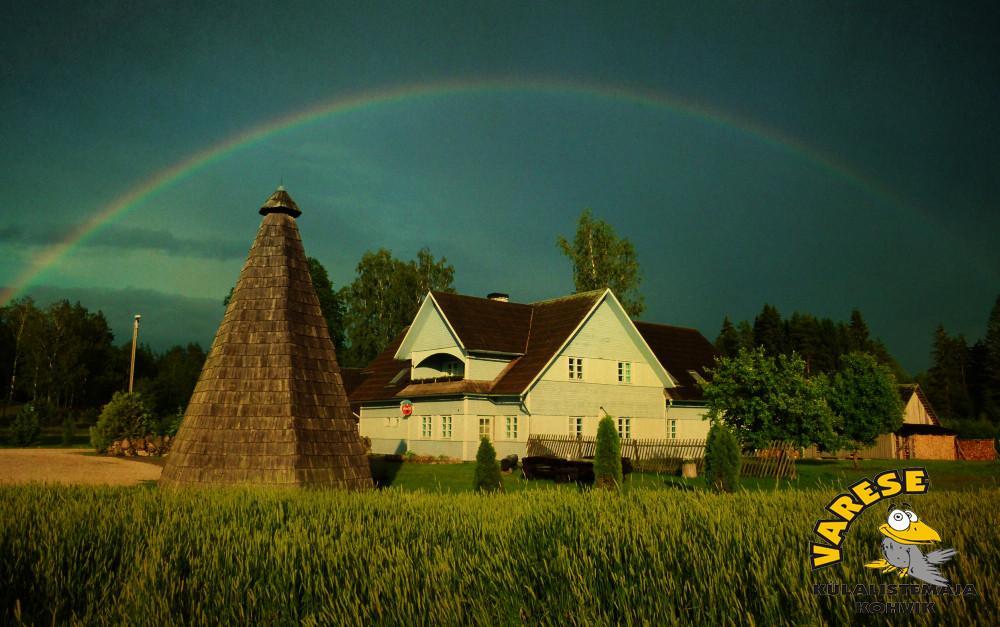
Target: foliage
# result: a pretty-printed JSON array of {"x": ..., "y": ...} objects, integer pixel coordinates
[
  {"x": 125, "y": 416},
  {"x": 722, "y": 458},
  {"x": 167, "y": 380},
  {"x": 26, "y": 426},
  {"x": 601, "y": 259},
  {"x": 242, "y": 556},
  {"x": 607, "y": 455},
  {"x": 385, "y": 296},
  {"x": 763, "y": 398},
  {"x": 487, "y": 475},
  {"x": 865, "y": 399},
  {"x": 821, "y": 342},
  {"x": 68, "y": 431}
]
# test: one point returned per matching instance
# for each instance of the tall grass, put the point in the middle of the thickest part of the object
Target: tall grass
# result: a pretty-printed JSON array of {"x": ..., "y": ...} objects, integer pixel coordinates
[{"x": 145, "y": 556}]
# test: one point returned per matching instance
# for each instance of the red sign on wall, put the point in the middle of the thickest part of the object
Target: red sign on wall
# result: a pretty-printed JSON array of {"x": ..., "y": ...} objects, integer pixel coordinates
[{"x": 406, "y": 407}]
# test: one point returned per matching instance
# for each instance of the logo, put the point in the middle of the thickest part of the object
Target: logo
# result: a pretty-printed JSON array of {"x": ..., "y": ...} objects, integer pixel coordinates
[
  {"x": 900, "y": 552},
  {"x": 406, "y": 407}
]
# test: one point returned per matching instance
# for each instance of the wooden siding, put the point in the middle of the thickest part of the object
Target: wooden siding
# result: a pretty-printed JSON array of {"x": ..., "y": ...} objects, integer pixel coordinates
[
  {"x": 571, "y": 398},
  {"x": 428, "y": 334}
]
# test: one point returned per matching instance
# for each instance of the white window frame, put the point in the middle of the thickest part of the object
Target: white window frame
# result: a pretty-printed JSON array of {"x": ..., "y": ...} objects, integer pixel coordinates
[
  {"x": 575, "y": 368},
  {"x": 673, "y": 428},
  {"x": 625, "y": 372},
  {"x": 510, "y": 429},
  {"x": 426, "y": 427},
  {"x": 487, "y": 422},
  {"x": 576, "y": 426},
  {"x": 446, "y": 430},
  {"x": 625, "y": 427}
]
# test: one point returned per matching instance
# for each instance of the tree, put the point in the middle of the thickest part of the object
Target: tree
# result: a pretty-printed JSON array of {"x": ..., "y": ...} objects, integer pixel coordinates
[
  {"x": 858, "y": 332},
  {"x": 769, "y": 330},
  {"x": 601, "y": 260},
  {"x": 125, "y": 416},
  {"x": 385, "y": 296},
  {"x": 607, "y": 455},
  {"x": 946, "y": 384},
  {"x": 991, "y": 388},
  {"x": 728, "y": 343},
  {"x": 764, "y": 398},
  {"x": 864, "y": 397},
  {"x": 487, "y": 475},
  {"x": 722, "y": 458},
  {"x": 26, "y": 427}
]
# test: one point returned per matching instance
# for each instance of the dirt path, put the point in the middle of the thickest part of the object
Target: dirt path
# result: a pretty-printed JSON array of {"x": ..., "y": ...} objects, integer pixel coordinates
[{"x": 79, "y": 466}]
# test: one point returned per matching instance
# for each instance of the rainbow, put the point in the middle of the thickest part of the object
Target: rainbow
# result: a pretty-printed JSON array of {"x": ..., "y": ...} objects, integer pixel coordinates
[{"x": 194, "y": 163}]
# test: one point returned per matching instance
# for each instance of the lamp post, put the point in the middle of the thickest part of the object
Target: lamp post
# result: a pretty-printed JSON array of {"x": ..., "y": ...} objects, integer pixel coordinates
[{"x": 135, "y": 339}]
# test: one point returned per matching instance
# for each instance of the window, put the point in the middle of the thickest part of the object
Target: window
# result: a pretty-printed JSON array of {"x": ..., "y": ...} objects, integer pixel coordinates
[
  {"x": 446, "y": 427},
  {"x": 576, "y": 367},
  {"x": 425, "y": 426},
  {"x": 624, "y": 427},
  {"x": 576, "y": 426},
  {"x": 451, "y": 368},
  {"x": 511, "y": 427},
  {"x": 624, "y": 372},
  {"x": 485, "y": 425},
  {"x": 673, "y": 429}
]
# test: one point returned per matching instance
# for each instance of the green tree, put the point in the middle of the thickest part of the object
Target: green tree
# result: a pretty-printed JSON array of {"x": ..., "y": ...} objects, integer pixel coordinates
[
  {"x": 607, "y": 455},
  {"x": 722, "y": 458},
  {"x": 858, "y": 332},
  {"x": 769, "y": 330},
  {"x": 601, "y": 259},
  {"x": 946, "y": 384},
  {"x": 26, "y": 427},
  {"x": 728, "y": 343},
  {"x": 864, "y": 397},
  {"x": 125, "y": 416},
  {"x": 991, "y": 342},
  {"x": 487, "y": 474},
  {"x": 764, "y": 398},
  {"x": 385, "y": 296}
]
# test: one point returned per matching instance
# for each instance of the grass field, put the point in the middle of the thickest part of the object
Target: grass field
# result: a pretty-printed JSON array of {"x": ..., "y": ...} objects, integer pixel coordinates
[{"x": 149, "y": 556}]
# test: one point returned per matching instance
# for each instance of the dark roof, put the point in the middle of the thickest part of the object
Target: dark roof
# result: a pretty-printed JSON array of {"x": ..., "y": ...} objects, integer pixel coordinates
[
  {"x": 384, "y": 377},
  {"x": 680, "y": 350},
  {"x": 280, "y": 202},
  {"x": 487, "y": 325},
  {"x": 534, "y": 331},
  {"x": 911, "y": 429},
  {"x": 352, "y": 378}
]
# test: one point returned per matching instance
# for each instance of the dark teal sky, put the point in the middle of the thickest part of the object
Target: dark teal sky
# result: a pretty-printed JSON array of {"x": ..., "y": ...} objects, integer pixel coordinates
[{"x": 97, "y": 97}]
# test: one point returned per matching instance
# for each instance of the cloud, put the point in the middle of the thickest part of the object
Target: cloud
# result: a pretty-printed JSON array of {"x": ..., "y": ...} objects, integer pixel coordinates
[
  {"x": 167, "y": 319},
  {"x": 128, "y": 238}
]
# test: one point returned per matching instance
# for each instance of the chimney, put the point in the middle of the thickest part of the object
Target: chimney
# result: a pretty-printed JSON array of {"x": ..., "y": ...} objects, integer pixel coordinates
[{"x": 498, "y": 296}]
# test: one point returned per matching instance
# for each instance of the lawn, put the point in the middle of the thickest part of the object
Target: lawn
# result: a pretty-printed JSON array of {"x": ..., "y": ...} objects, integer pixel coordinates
[{"x": 829, "y": 475}]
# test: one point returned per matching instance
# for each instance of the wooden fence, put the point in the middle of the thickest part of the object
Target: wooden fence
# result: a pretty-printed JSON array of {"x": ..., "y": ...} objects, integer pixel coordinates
[
  {"x": 647, "y": 455},
  {"x": 777, "y": 460},
  {"x": 665, "y": 455}
]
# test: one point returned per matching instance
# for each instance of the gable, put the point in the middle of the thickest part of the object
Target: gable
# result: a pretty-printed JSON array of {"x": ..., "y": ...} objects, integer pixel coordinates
[{"x": 429, "y": 334}]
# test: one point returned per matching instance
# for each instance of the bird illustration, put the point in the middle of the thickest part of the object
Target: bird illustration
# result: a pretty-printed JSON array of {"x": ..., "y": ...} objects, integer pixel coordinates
[{"x": 904, "y": 533}]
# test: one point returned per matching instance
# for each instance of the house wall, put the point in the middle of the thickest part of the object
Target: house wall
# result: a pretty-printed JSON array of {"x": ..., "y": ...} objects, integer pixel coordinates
[
  {"x": 915, "y": 413},
  {"x": 484, "y": 368},
  {"x": 691, "y": 422}
]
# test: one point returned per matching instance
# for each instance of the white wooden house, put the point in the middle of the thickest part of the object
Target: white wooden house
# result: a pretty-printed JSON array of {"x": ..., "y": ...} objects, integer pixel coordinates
[{"x": 474, "y": 367}]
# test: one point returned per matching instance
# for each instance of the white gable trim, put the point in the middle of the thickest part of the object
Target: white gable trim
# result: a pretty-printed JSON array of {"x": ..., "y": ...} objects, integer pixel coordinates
[
  {"x": 428, "y": 302},
  {"x": 665, "y": 377}
]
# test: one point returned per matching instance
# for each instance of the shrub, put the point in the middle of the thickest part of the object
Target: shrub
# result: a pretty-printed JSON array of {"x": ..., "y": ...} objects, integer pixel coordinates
[
  {"x": 25, "y": 428},
  {"x": 487, "y": 477},
  {"x": 722, "y": 458},
  {"x": 607, "y": 455},
  {"x": 125, "y": 416}
]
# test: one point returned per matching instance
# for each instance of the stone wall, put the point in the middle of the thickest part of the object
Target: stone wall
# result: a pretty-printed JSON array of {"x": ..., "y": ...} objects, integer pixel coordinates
[{"x": 979, "y": 450}]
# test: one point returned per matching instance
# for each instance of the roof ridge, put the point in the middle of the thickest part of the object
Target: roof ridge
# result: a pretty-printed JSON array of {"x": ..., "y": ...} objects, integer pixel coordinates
[
  {"x": 587, "y": 294},
  {"x": 669, "y": 326}
]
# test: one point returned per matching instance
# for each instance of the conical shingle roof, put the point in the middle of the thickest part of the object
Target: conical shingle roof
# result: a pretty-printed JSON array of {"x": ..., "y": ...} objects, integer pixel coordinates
[{"x": 270, "y": 407}]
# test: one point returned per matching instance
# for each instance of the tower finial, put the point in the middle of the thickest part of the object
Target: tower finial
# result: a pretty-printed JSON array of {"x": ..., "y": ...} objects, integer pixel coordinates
[{"x": 280, "y": 202}]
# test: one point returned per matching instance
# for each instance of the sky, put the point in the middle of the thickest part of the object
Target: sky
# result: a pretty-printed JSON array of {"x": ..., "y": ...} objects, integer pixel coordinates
[{"x": 815, "y": 156}]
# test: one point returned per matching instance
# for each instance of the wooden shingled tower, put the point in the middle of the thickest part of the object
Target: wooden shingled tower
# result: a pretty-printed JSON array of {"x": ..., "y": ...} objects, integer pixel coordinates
[{"x": 270, "y": 406}]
